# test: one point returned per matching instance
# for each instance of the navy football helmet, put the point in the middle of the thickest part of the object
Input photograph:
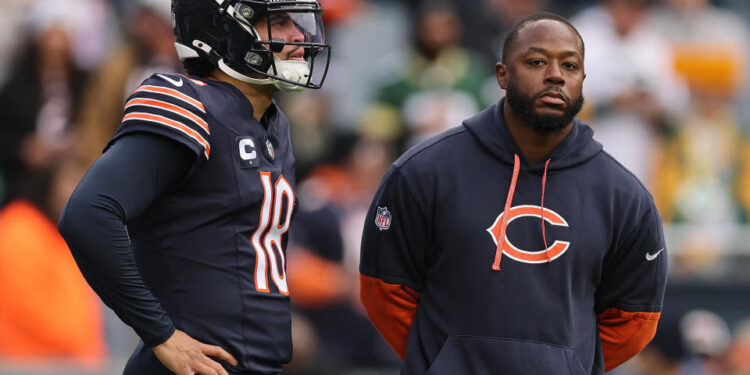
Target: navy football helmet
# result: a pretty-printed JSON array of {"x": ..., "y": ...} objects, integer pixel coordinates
[{"x": 278, "y": 42}]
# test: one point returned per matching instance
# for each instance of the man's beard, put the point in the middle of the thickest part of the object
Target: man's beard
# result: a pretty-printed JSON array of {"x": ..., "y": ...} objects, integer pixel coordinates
[{"x": 524, "y": 107}]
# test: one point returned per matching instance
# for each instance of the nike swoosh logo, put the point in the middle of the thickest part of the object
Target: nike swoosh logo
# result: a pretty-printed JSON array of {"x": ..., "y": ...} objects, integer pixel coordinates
[
  {"x": 650, "y": 257},
  {"x": 177, "y": 83}
]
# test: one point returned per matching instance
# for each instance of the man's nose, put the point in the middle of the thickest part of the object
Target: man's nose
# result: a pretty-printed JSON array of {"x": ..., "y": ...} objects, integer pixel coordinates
[
  {"x": 553, "y": 75},
  {"x": 296, "y": 35}
]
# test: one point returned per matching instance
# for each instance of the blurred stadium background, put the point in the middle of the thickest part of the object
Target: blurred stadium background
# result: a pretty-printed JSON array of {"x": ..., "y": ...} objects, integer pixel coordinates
[{"x": 667, "y": 94}]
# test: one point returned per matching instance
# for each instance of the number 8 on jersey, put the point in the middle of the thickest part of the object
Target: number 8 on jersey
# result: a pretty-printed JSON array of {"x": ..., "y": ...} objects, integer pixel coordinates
[{"x": 267, "y": 248}]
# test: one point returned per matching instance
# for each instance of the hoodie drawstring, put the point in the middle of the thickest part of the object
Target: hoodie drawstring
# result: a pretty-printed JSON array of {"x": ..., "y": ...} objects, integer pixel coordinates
[
  {"x": 506, "y": 213},
  {"x": 544, "y": 234}
]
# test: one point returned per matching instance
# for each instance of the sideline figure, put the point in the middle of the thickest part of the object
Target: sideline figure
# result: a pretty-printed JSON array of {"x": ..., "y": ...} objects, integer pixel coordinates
[
  {"x": 202, "y": 173},
  {"x": 513, "y": 244}
]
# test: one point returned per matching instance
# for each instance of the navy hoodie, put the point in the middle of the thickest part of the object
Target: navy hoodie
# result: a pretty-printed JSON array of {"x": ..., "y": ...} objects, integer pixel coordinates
[{"x": 574, "y": 286}]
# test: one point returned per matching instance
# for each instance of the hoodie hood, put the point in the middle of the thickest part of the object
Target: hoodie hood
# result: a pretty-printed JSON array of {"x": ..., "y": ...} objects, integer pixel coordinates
[{"x": 490, "y": 130}]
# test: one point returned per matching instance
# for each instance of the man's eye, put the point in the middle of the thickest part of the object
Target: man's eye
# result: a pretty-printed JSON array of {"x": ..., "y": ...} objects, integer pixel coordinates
[
  {"x": 570, "y": 66},
  {"x": 536, "y": 62},
  {"x": 278, "y": 20}
]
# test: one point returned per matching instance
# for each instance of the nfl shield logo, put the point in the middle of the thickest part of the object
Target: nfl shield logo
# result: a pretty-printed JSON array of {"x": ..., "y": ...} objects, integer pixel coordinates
[
  {"x": 269, "y": 148},
  {"x": 383, "y": 218}
]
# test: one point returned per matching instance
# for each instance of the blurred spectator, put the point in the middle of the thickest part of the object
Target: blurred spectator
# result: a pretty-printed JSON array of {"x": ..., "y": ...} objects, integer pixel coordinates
[
  {"x": 89, "y": 24},
  {"x": 38, "y": 104},
  {"x": 487, "y": 21},
  {"x": 709, "y": 44},
  {"x": 371, "y": 38},
  {"x": 321, "y": 290},
  {"x": 335, "y": 11},
  {"x": 324, "y": 254},
  {"x": 707, "y": 338},
  {"x": 700, "y": 180},
  {"x": 348, "y": 184},
  {"x": 11, "y": 29},
  {"x": 739, "y": 7},
  {"x": 700, "y": 171},
  {"x": 440, "y": 86},
  {"x": 490, "y": 21},
  {"x": 48, "y": 315},
  {"x": 739, "y": 354},
  {"x": 318, "y": 254},
  {"x": 312, "y": 132},
  {"x": 148, "y": 48},
  {"x": 631, "y": 87},
  {"x": 664, "y": 354}
]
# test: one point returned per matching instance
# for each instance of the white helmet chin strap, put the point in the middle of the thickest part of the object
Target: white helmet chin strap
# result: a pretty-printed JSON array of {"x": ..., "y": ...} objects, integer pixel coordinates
[
  {"x": 292, "y": 70},
  {"x": 241, "y": 77}
]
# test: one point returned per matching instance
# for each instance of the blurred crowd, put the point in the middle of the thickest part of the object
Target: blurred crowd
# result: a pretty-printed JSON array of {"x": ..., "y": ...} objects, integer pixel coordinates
[{"x": 666, "y": 93}]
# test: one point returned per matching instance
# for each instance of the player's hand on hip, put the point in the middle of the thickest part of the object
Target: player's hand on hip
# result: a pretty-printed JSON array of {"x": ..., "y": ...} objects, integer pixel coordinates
[{"x": 184, "y": 355}]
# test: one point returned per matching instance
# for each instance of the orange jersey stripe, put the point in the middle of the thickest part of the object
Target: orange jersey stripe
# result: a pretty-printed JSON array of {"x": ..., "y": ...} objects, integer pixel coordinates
[
  {"x": 171, "y": 108},
  {"x": 624, "y": 334},
  {"x": 391, "y": 308},
  {"x": 172, "y": 124},
  {"x": 173, "y": 93}
]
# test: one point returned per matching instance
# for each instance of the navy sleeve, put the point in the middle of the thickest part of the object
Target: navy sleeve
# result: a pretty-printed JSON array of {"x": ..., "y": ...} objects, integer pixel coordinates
[
  {"x": 120, "y": 185},
  {"x": 396, "y": 234},
  {"x": 634, "y": 275}
]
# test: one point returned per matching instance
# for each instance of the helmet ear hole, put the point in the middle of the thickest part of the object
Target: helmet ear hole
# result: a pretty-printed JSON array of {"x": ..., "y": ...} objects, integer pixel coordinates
[
  {"x": 259, "y": 60},
  {"x": 244, "y": 13}
]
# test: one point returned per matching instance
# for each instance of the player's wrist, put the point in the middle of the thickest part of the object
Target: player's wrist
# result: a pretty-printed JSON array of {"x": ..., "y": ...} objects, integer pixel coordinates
[{"x": 161, "y": 338}]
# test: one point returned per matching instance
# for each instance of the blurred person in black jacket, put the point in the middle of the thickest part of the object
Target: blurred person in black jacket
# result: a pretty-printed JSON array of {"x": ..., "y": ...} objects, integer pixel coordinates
[
  {"x": 148, "y": 48},
  {"x": 38, "y": 103}
]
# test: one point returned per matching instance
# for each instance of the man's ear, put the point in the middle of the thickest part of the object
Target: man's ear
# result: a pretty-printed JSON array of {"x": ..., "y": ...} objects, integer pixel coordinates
[{"x": 501, "y": 71}]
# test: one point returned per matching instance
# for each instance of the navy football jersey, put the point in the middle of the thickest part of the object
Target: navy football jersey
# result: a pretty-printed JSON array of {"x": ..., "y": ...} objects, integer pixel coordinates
[{"x": 212, "y": 250}]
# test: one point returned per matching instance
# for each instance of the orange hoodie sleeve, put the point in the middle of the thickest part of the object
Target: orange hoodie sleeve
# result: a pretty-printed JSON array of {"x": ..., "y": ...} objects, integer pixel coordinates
[
  {"x": 391, "y": 309},
  {"x": 631, "y": 291},
  {"x": 624, "y": 334}
]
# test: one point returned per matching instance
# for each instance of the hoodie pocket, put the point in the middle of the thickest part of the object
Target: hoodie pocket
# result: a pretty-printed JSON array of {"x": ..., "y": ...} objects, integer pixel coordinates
[{"x": 496, "y": 356}]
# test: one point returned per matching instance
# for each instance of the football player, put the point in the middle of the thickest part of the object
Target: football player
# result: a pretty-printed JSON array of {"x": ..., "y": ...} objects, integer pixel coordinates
[
  {"x": 514, "y": 244},
  {"x": 180, "y": 226}
]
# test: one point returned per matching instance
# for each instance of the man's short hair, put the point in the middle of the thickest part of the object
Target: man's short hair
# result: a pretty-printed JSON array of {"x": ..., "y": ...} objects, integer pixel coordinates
[
  {"x": 512, "y": 35},
  {"x": 198, "y": 66}
]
